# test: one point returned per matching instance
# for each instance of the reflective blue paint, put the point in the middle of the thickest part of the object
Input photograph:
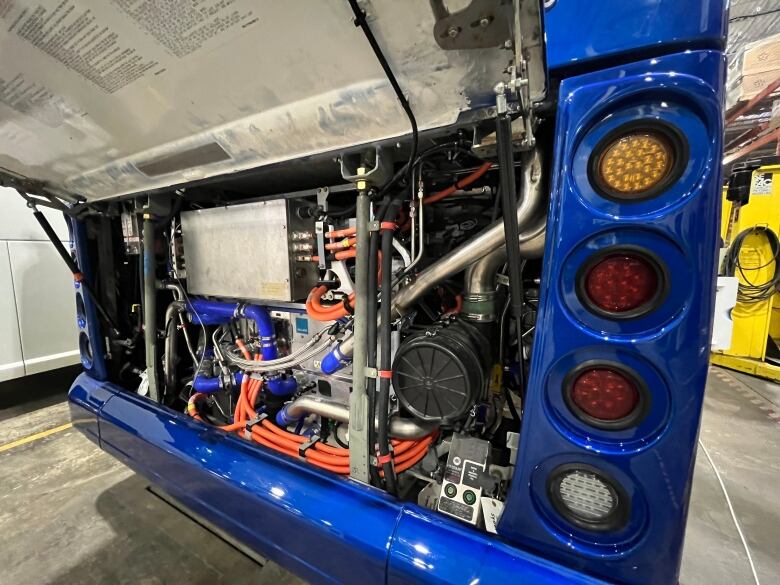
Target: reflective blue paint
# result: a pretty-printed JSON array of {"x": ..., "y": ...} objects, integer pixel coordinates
[
  {"x": 89, "y": 328},
  {"x": 326, "y": 528},
  {"x": 668, "y": 348},
  {"x": 580, "y": 32}
]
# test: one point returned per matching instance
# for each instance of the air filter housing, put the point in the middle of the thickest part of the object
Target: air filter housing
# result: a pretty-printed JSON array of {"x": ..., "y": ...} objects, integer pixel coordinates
[{"x": 440, "y": 373}]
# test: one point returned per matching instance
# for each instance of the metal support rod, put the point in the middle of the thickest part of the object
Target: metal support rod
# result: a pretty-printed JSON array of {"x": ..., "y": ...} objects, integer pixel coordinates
[
  {"x": 150, "y": 307},
  {"x": 359, "y": 416}
]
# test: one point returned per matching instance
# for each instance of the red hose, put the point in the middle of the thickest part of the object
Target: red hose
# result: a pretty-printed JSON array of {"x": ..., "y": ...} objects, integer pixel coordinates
[
  {"x": 346, "y": 232},
  {"x": 345, "y": 243},
  {"x": 334, "y": 459},
  {"x": 464, "y": 182}
]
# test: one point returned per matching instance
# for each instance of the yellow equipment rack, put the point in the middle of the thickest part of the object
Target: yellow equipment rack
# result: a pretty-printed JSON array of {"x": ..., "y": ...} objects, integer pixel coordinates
[{"x": 758, "y": 322}]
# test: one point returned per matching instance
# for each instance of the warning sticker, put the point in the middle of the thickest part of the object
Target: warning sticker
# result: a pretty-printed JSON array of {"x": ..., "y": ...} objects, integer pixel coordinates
[
  {"x": 762, "y": 184},
  {"x": 32, "y": 99}
]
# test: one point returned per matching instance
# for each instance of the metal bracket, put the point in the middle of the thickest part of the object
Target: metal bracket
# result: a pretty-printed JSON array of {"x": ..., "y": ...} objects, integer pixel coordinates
[
  {"x": 354, "y": 169},
  {"x": 319, "y": 233},
  {"x": 482, "y": 24}
]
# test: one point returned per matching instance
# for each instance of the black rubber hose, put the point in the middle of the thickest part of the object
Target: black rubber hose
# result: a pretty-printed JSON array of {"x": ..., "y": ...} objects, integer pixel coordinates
[
  {"x": 385, "y": 359},
  {"x": 508, "y": 190},
  {"x": 75, "y": 270},
  {"x": 371, "y": 336}
]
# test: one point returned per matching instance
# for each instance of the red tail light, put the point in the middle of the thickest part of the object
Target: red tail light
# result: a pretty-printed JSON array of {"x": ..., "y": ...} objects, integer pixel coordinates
[
  {"x": 605, "y": 395},
  {"x": 622, "y": 284}
]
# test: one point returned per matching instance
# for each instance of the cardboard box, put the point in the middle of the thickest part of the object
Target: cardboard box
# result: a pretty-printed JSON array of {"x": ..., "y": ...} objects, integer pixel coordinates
[
  {"x": 762, "y": 56},
  {"x": 753, "y": 84}
]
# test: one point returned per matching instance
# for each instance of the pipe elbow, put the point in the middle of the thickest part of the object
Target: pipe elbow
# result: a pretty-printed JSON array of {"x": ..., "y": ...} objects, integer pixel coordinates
[
  {"x": 282, "y": 386},
  {"x": 265, "y": 328},
  {"x": 334, "y": 361}
]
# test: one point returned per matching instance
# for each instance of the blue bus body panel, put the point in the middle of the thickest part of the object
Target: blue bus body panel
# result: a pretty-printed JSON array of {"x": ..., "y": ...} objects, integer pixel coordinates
[
  {"x": 581, "y": 31},
  {"x": 667, "y": 348},
  {"x": 325, "y": 528}
]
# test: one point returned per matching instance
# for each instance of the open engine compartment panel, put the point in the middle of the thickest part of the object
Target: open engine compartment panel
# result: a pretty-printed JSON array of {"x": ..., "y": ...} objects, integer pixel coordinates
[{"x": 254, "y": 304}]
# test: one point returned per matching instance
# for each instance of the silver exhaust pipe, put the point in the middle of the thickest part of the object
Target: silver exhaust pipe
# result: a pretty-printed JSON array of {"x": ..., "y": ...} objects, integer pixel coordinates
[
  {"x": 479, "y": 297},
  {"x": 490, "y": 239},
  {"x": 400, "y": 428}
]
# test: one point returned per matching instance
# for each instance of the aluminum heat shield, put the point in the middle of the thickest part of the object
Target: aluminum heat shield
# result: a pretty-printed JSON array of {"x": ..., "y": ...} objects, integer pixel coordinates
[{"x": 243, "y": 252}]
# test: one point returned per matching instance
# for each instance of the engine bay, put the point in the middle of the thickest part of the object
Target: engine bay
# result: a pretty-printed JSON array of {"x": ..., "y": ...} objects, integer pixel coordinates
[{"x": 256, "y": 307}]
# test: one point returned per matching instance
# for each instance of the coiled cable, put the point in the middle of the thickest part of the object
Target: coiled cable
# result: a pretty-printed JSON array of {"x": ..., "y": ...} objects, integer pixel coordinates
[{"x": 749, "y": 291}]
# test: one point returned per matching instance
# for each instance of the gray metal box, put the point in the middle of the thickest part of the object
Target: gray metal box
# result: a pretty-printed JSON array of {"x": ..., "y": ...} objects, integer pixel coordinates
[{"x": 245, "y": 251}]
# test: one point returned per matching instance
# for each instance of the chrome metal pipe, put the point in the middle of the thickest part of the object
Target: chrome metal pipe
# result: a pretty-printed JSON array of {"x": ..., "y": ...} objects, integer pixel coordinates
[{"x": 400, "y": 428}]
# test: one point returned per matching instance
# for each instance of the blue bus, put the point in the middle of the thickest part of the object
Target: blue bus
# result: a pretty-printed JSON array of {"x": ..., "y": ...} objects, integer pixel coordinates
[{"x": 388, "y": 291}]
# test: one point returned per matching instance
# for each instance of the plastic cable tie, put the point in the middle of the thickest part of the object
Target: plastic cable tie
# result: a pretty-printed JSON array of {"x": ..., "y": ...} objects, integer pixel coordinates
[
  {"x": 382, "y": 459},
  {"x": 255, "y": 421}
]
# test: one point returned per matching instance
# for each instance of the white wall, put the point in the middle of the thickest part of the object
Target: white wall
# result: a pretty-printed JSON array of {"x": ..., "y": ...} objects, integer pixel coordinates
[{"x": 38, "y": 328}]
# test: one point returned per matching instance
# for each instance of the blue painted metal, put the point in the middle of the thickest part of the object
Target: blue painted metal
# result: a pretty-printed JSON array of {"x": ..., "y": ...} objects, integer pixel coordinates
[
  {"x": 88, "y": 324},
  {"x": 668, "y": 348},
  {"x": 326, "y": 528},
  {"x": 581, "y": 33}
]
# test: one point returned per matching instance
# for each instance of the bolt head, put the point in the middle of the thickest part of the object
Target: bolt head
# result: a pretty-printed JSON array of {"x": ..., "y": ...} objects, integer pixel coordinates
[
  {"x": 484, "y": 22},
  {"x": 453, "y": 31}
]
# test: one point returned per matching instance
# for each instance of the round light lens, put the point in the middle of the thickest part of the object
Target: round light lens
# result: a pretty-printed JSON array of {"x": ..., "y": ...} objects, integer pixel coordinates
[
  {"x": 605, "y": 394},
  {"x": 622, "y": 283},
  {"x": 586, "y": 496},
  {"x": 634, "y": 163}
]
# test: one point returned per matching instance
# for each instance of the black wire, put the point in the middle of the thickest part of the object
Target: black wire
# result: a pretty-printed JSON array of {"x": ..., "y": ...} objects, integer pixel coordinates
[
  {"x": 746, "y": 16},
  {"x": 385, "y": 359},
  {"x": 750, "y": 292},
  {"x": 336, "y": 437},
  {"x": 511, "y": 231}
]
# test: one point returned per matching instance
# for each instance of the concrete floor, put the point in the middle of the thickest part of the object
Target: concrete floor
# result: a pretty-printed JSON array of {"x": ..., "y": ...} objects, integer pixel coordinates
[{"x": 70, "y": 514}]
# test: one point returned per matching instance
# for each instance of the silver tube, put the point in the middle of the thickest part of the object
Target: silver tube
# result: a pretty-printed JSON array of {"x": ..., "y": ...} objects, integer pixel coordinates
[
  {"x": 400, "y": 428},
  {"x": 479, "y": 298},
  {"x": 150, "y": 307},
  {"x": 359, "y": 416}
]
